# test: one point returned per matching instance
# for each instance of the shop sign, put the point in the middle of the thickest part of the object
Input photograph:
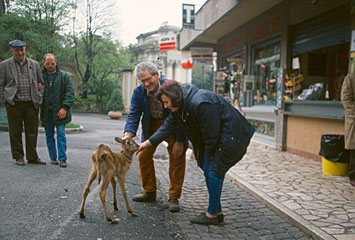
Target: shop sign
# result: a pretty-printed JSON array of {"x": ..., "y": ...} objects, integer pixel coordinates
[
  {"x": 201, "y": 55},
  {"x": 232, "y": 45},
  {"x": 296, "y": 63},
  {"x": 265, "y": 29},
  {"x": 188, "y": 16},
  {"x": 167, "y": 42},
  {"x": 235, "y": 59}
]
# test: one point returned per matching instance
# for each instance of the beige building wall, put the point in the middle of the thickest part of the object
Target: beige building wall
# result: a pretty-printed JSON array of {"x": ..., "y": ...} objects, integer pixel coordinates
[
  {"x": 304, "y": 134},
  {"x": 129, "y": 82}
]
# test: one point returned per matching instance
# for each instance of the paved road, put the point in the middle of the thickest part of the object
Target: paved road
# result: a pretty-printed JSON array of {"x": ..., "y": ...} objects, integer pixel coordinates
[{"x": 42, "y": 202}]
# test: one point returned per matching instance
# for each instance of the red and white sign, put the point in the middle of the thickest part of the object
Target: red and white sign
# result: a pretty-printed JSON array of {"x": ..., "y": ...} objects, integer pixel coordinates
[
  {"x": 167, "y": 42},
  {"x": 202, "y": 55}
]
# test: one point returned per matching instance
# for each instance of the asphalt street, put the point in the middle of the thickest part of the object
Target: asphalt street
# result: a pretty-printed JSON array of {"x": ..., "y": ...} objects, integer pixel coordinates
[{"x": 43, "y": 202}]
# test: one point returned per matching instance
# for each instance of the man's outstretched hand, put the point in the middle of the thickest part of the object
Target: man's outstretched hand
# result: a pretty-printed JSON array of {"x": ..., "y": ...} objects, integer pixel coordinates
[{"x": 143, "y": 146}]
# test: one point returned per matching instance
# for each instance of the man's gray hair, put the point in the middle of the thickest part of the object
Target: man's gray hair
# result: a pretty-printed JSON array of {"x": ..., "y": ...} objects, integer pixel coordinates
[{"x": 145, "y": 66}]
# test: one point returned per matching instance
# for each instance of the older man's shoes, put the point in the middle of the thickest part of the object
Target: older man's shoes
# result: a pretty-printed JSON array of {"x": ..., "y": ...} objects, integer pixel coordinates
[
  {"x": 352, "y": 182},
  {"x": 20, "y": 162},
  {"x": 37, "y": 161},
  {"x": 145, "y": 197},
  {"x": 174, "y": 205}
]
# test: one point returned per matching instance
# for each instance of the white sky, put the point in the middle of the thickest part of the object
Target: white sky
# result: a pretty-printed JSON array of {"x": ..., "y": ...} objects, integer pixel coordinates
[{"x": 141, "y": 16}]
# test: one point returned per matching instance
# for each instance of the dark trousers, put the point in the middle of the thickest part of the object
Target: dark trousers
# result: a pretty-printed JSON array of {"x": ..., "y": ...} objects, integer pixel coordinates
[
  {"x": 19, "y": 115},
  {"x": 351, "y": 166}
]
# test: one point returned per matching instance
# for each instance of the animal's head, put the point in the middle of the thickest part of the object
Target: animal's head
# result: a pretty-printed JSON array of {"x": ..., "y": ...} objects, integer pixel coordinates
[{"x": 129, "y": 144}]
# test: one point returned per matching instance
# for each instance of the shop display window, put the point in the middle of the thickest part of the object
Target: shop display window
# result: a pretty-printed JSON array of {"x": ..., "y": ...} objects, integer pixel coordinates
[
  {"x": 320, "y": 75},
  {"x": 234, "y": 69},
  {"x": 265, "y": 69},
  {"x": 263, "y": 127}
]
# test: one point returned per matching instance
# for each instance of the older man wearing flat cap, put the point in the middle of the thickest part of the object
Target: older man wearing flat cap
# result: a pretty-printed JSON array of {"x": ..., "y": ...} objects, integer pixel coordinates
[{"x": 21, "y": 90}]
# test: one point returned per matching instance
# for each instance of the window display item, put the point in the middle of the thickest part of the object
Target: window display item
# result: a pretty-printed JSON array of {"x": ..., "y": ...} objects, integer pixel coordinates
[
  {"x": 265, "y": 69},
  {"x": 293, "y": 86},
  {"x": 314, "y": 92}
]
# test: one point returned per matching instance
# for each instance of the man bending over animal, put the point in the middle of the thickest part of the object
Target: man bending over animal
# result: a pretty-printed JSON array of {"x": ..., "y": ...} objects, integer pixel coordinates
[{"x": 144, "y": 102}]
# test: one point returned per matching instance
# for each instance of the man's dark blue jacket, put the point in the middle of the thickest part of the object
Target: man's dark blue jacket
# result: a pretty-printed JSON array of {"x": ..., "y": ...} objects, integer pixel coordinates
[{"x": 140, "y": 104}]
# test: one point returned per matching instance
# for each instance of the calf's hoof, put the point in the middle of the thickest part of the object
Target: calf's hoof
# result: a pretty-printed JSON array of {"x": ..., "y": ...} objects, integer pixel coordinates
[{"x": 111, "y": 221}]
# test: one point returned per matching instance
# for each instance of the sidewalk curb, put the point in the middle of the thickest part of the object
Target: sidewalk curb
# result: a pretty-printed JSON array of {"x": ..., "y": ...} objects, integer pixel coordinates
[{"x": 286, "y": 213}]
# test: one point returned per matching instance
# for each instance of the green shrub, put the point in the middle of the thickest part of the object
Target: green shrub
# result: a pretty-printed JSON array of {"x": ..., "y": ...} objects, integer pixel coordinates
[
  {"x": 115, "y": 102},
  {"x": 89, "y": 100}
]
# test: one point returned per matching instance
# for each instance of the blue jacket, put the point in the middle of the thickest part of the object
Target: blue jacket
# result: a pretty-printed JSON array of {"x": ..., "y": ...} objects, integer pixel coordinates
[
  {"x": 140, "y": 104},
  {"x": 213, "y": 126}
]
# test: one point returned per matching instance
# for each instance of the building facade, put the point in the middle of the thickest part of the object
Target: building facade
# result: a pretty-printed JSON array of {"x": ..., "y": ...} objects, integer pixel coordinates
[
  {"x": 168, "y": 61},
  {"x": 149, "y": 48},
  {"x": 285, "y": 60}
]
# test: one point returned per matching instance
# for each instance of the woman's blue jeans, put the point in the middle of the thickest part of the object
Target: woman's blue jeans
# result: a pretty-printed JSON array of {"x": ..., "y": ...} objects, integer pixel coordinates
[
  {"x": 214, "y": 186},
  {"x": 61, "y": 139}
]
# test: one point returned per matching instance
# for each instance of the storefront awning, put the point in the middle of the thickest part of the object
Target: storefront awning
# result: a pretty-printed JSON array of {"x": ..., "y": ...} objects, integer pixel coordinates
[{"x": 217, "y": 18}]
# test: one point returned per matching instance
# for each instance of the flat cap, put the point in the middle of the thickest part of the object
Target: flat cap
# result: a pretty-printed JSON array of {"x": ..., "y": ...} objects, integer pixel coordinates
[{"x": 17, "y": 43}]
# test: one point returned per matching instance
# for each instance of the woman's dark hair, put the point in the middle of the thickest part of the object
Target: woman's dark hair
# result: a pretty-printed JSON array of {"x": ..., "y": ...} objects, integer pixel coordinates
[{"x": 172, "y": 90}]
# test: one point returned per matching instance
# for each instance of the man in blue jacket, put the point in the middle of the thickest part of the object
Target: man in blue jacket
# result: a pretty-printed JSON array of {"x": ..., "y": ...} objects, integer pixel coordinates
[{"x": 144, "y": 102}]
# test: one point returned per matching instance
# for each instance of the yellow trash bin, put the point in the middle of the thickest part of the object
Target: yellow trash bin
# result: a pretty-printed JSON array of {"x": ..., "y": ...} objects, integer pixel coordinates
[{"x": 334, "y": 168}]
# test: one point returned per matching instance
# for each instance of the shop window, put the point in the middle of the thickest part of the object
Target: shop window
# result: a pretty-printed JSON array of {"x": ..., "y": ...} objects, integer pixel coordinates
[
  {"x": 265, "y": 69},
  {"x": 263, "y": 127},
  {"x": 317, "y": 64},
  {"x": 320, "y": 75},
  {"x": 234, "y": 69}
]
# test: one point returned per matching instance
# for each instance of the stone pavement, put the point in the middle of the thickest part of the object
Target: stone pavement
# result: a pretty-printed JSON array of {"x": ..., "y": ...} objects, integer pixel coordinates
[
  {"x": 245, "y": 216},
  {"x": 296, "y": 188},
  {"x": 263, "y": 186}
]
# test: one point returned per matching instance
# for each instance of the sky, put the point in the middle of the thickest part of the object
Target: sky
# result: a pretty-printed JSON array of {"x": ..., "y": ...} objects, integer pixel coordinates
[{"x": 141, "y": 16}]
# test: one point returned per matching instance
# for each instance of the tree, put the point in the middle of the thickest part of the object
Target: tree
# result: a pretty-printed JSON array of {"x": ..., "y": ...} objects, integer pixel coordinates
[
  {"x": 37, "y": 22},
  {"x": 49, "y": 17},
  {"x": 108, "y": 62},
  {"x": 97, "y": 18},
  {"x": 17, "y": 27},
  {"x": 4, "y": 5}
]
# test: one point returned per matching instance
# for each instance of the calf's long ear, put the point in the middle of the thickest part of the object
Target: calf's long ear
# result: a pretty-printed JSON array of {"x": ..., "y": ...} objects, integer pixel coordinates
[{"x": 117, "y": 139}]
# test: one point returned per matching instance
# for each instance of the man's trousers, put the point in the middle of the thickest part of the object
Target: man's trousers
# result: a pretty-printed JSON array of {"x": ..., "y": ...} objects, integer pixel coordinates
[
  {"x": 19, "y": 115},
  {"x": 176, "y": 165}
]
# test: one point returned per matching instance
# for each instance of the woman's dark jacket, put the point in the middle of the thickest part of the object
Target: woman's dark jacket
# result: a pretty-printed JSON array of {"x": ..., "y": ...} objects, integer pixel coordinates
[
  {"x": 140, "y": 105},
  {"x": 212, "y": 125},
  {"x": 61, "y": 94}
]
